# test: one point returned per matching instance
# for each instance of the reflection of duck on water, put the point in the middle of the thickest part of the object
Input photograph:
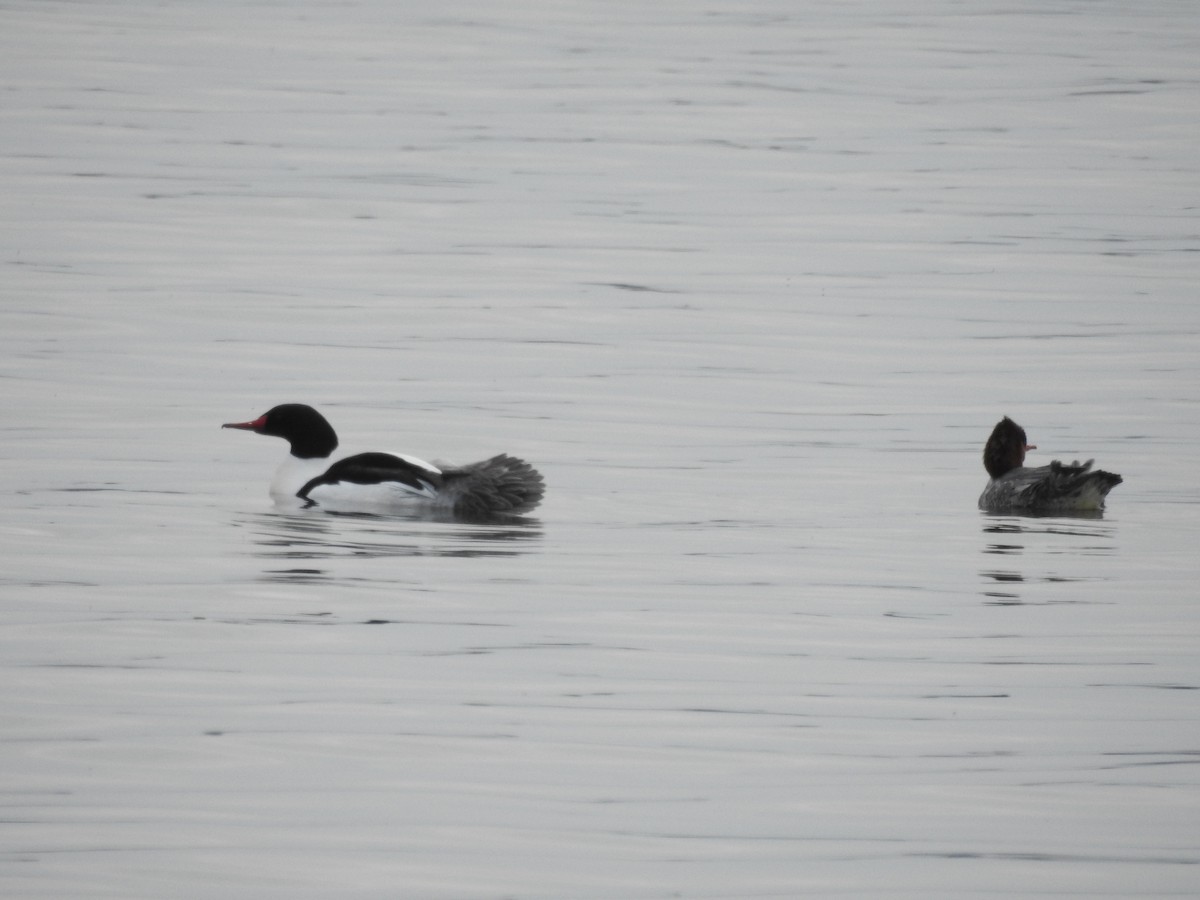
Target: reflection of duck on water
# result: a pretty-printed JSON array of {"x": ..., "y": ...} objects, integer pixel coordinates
[
  {"x": 303, "y": 548},
  {"x": 373, "y": 482},
  {"x": 1057, "y": 487}
]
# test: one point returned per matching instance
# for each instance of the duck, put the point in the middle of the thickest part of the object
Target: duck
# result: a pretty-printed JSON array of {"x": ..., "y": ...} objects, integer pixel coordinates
[
  {"x": 313, "y": 475},
  {"x": 1058, "y": 487}
]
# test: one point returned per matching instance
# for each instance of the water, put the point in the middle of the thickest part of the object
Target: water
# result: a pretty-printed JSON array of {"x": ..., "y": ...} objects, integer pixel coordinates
[{"x": 750, "y": 285}]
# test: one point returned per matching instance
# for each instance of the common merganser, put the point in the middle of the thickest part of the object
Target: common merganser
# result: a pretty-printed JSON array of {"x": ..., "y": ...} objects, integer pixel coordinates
[
  {"x": 1054, "y": 488},
  {"x": 374, "y": 482}
]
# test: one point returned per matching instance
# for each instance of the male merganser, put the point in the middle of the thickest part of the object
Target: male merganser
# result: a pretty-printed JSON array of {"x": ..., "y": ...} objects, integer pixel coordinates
[
  {"x": 1053, "y": 488},
  {"x": 374, "y": 482}
]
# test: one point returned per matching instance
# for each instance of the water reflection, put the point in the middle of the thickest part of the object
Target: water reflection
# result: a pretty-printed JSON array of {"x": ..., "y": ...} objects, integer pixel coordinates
[
  {"x": 1024, "y": 541},
  {"x": 304, "y": 537}
]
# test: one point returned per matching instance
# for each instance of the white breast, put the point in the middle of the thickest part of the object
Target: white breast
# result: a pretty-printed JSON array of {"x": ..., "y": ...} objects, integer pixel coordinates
[{"x": 293, "y": 474}]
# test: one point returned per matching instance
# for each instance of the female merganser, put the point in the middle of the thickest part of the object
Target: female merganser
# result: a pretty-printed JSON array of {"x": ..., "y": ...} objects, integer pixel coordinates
[
  {"x": 373, "y": 482},
  {"x": 1053, "y": 488}
]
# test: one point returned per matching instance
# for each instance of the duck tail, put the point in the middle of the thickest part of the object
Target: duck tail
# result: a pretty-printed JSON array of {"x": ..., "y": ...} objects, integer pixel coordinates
[
  {"x": 501, "y": 486},
  {"x": 1076, "y": 486}
]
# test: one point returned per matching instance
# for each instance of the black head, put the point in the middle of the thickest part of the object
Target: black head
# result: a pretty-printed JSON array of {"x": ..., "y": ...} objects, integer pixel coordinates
[
  {"x": 308, "y": 432},
  {"x": 1005, "y": 449}
]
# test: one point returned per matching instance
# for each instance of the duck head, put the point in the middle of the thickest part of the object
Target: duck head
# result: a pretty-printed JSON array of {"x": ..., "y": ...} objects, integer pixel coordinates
[
  {"x": 1005, "y": 449},
  {"x": 306, "y": 430}
]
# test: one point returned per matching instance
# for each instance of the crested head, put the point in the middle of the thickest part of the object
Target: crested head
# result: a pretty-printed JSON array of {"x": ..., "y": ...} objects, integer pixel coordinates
[
  {"x": 306, "y": 430},
  {"x": 1005, "y": 449}
]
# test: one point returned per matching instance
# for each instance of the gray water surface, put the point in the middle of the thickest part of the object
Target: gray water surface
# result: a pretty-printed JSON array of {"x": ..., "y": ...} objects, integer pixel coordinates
[{"x": 750, "y": 284}]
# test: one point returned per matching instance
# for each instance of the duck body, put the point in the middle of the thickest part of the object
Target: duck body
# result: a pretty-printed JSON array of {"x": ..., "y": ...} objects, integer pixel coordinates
[
  {"x": 313, "y": 475},
  {"x": 1058, "y": 487}
]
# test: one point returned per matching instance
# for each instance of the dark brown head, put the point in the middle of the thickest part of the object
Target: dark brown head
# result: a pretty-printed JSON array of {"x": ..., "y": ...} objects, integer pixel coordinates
[
  {"x": 308, "y": 432},
  {"x": 1005, "y": 449}
]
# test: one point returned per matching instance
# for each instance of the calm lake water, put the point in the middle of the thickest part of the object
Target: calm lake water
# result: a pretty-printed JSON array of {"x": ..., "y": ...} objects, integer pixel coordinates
[{"x": 750, "y": 284}]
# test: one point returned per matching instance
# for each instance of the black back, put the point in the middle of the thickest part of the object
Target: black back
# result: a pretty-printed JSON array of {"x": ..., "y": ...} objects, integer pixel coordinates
[{"x": 374, "y": 468}]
